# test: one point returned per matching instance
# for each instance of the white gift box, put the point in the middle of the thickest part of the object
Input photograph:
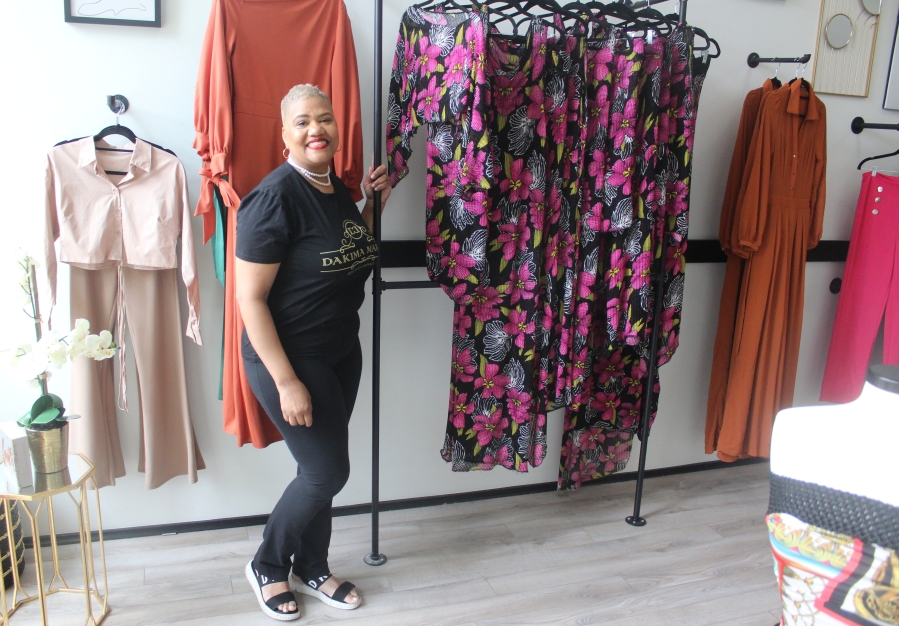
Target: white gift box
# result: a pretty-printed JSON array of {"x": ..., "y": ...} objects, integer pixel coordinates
[{"x": 15, "y": 460}]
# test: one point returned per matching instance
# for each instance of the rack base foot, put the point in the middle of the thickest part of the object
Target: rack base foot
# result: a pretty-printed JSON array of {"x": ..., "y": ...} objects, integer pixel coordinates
[
  {"x": 632, "y": 520},
  {"x": 374, "y": 559}
]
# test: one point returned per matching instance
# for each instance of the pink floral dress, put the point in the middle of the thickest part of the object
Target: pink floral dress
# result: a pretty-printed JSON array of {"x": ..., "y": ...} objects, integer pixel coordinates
[
  {"x": 605, "y": 414},
  {"x": 554, "y": 168}
]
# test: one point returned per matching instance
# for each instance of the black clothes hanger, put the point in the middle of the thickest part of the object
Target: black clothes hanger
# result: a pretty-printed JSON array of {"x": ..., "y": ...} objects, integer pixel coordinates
[
  {"x": 879, "y": 156},
  {"x": 116, "y": 129},
  {"x": 626, "y": 16},
  {"x": 64, "y": 141},
  {"x": 101, "y": 135}
]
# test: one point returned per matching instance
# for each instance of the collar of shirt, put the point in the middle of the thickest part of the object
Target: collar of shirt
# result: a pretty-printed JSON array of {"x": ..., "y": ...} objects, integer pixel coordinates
[
  {"x": 140, "y": 157},
  {"x": 795, "y": 99}
]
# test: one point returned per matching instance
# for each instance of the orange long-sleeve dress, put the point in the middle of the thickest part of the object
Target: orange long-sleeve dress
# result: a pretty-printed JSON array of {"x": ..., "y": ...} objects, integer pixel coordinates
[
  {"x": 778, "y": 218},
  {"x": 733, "y": 275},
  {"x": 253, "y": 53}
]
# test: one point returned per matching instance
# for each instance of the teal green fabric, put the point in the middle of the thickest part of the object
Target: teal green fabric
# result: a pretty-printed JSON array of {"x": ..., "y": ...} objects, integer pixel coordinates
[
  {"x": 218, "y": 238},
  {"x": 218, "y": 242}
]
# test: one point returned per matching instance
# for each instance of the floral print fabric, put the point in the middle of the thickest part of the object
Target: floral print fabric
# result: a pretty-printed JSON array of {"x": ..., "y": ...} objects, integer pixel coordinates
[
  {"x": 576, "y": 154},
  {"x": 605, "y": 413},
  {"x": 438, "y": 79},
  {"x": 498, "y": 403}
]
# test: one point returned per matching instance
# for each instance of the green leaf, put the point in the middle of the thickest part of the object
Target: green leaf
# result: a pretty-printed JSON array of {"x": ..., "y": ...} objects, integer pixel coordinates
[
  {"x": 57, "y": 401},
  {"x": 514, "y": 427},
  {"x": 47, "y": 416},
  {"x": 477, "y": 449},
  {"x": 40, "y": 405},
  {"x": 478, "y": 327}
]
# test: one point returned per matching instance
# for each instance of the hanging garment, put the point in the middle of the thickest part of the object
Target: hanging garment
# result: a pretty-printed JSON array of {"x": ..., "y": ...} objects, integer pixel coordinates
[
  {"x": 253, "y": 53},
  {"x": 778, "y": 220},
  {"x": 439, "y": 79},
  {"x": 605, "y": 412},
  {"x": 496, "y": 418},
  {"x": 148, "y": 301},
  {"x": 733, "y": 274},
  {"x": 531, "y": 155},
  {"x": 870, "y": 288},
  {"x": 520, "y": 338},
  {"x": 115, "y": 230}
]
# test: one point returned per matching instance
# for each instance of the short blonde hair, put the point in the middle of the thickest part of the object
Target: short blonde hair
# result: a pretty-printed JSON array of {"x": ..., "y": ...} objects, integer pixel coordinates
[{"x": 302, "y": 92}]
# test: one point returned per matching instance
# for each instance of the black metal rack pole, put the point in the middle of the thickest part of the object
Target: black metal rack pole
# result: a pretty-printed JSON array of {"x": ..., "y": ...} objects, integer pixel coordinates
[
  {"x": 649, "y": 389},
  {"x": 859, "y": 124},
  {"x": 754, "y": 59},
  {"x": 375, "y": 557}
]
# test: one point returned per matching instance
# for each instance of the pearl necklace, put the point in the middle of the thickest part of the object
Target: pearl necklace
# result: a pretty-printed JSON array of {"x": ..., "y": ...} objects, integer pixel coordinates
[{"x": 322, "y": 180}]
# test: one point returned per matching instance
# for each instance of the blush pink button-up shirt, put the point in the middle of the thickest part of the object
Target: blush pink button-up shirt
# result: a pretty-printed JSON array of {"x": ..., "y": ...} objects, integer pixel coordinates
[{"x": 134, "y": 222}]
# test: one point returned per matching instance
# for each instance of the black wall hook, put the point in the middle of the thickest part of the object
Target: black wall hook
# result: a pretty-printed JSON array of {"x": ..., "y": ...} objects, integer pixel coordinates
[
  {"x": 859, "y": 124},
  {"x": 118, "y": 103},
  {"x": 754, "y": 59}
]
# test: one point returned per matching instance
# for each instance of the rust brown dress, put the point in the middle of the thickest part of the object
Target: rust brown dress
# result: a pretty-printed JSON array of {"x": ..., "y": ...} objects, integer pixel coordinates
[
  {"x": 253, "y": 53},
  {"x": 733, "y": 275},
  {"x": 777, "y": 219}
]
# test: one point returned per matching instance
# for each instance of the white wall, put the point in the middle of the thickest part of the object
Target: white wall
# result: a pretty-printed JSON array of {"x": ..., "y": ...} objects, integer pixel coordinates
[{"x": 55, "y": 77}]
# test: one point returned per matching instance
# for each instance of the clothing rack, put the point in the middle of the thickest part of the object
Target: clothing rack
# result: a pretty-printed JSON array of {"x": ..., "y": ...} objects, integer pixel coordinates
[
  {"x": 379, "y": 285},
  {"x": 859, "y": 124},
  {"x": 754, "y": 59}
]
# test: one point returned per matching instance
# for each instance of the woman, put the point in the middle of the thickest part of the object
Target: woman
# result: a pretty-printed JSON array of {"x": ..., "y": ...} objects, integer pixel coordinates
[{"x": 303, "y": 256}]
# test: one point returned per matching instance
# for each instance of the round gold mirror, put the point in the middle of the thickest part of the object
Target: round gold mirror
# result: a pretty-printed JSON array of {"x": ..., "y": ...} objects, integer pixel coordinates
[
  {"x": 839, "y": 31},
  {"x": 872, "y": 6}
]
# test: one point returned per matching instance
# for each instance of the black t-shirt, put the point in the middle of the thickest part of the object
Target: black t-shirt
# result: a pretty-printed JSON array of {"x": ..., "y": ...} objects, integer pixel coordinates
[{"x": 325, "y": 250}]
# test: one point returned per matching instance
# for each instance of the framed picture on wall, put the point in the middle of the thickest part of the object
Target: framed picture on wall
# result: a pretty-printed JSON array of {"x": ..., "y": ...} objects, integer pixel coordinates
[
  {"x": 114, "y": 12},
  {"x": 891, "y": 94}
]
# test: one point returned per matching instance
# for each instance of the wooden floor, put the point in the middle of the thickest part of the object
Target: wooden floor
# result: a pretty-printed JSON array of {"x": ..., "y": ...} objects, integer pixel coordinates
[{"x": 703, "y": 560}]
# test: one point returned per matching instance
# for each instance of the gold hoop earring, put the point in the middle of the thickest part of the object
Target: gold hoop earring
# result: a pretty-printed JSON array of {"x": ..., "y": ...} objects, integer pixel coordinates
[{"x": 285, "y": 152}]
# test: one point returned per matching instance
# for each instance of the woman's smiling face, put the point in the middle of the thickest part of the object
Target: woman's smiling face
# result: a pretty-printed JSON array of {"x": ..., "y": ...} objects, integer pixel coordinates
[{"x": 310, "y": 133}]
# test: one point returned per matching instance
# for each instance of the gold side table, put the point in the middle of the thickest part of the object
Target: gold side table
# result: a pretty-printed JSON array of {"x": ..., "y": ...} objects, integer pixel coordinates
[{"x": 73, "y": 482}]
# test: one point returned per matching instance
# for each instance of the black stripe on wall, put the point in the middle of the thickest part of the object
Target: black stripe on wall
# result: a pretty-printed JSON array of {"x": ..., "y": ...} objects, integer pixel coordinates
[{"x": 411, "y": 253}]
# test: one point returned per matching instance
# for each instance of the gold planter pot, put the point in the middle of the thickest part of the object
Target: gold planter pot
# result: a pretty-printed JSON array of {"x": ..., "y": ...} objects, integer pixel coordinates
[{"x": 49, "y": 449}]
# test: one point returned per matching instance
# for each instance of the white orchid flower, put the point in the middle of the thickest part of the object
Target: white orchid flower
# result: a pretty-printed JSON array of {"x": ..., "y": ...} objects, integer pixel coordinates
[
  {"x": 105, "y": 339},
  {"x": 82, "y": 329},
  {"x": 91, "y": 344},
  {"x": 103, "y": 353}
]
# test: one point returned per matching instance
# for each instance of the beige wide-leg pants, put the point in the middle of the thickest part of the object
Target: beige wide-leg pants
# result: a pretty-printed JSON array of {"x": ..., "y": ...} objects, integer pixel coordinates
[{"x": 168, "y": 445}]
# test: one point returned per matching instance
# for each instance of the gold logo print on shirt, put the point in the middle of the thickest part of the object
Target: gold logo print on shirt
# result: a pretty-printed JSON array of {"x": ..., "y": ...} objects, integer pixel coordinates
[{"x": 350, "y": 255}]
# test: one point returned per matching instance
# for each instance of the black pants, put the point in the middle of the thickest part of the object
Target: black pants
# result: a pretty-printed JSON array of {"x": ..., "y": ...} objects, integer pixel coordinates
[{"x": 300, "y": 524}]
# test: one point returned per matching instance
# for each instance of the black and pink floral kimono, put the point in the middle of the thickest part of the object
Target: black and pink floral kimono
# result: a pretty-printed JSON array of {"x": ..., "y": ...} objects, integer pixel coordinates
[{"x": 555, "y": 166}]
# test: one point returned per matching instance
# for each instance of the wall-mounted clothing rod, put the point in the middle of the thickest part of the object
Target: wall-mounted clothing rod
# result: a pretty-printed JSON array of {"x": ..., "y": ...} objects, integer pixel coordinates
[
  {"x": 754, "y": 59},
  {"x": 859, "y": 124},
  {"x": 407, "y": 284}
]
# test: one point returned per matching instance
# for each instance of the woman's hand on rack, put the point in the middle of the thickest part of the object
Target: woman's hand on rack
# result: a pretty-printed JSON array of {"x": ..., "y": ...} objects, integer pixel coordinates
[
  {"x": 375, "y": 180},
  {"x": 296, "y": 403}
]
